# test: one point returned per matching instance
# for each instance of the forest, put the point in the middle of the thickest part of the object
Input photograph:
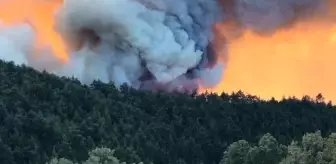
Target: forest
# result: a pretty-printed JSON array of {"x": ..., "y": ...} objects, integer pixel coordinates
[{"x": 45, "y": 119}]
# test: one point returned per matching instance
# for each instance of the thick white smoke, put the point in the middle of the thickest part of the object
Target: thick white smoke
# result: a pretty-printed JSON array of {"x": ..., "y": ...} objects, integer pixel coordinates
[
  {"x": 139, "y": 37},
  {"x": 157, "y": 39},
  {"x": 14, "y": 47},
  {"x": 129, "y": 33}
]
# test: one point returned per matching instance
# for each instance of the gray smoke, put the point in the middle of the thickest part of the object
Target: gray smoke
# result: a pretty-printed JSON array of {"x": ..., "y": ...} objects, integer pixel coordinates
[
  {"x": 266, "y": 16},
  {"x": 149, "y": 44}
]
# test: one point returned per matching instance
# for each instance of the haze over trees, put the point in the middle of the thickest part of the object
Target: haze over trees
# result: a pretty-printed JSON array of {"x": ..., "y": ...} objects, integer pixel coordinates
[{"x": 45, "y": 118}]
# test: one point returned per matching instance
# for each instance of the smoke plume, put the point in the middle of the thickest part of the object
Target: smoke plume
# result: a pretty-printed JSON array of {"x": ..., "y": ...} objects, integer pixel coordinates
[{"x": 150, "y": 44}]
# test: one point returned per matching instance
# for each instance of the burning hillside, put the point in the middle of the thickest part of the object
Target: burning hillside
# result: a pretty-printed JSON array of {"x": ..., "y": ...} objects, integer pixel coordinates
[{"x": 267, "y": 48}]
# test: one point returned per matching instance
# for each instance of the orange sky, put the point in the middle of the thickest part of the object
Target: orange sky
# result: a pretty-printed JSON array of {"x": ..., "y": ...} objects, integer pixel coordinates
[
  {"x": 292, "y": 62},
  {"x": 40, "y": 13}
]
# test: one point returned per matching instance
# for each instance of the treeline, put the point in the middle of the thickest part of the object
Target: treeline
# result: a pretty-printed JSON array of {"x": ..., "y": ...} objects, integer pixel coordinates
[
  {"x": 43, "y": 116},
  {"x": 312, "y": 149}
]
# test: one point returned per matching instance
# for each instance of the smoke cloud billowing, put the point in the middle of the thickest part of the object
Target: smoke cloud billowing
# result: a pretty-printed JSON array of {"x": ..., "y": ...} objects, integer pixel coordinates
[{"x": 149, "y": 44}]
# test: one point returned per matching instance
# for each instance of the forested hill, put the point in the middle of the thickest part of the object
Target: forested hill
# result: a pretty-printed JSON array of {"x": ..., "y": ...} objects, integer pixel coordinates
[{"x": 44, "y": 116}]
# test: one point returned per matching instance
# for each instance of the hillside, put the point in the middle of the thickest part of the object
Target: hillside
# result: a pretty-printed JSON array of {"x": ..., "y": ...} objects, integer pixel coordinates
[{"x": 44, "y": 116}]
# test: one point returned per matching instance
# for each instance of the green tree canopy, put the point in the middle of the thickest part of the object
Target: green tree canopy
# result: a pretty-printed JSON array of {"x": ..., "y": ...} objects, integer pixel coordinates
[{"x": 312, "y": 149}]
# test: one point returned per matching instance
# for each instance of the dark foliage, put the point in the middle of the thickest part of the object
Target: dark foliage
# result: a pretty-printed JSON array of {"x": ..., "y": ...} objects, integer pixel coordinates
[{"x": 44, "y": 116}]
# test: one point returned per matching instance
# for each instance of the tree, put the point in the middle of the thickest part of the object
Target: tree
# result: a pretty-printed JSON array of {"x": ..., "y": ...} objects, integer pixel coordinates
[
  {"x": 312, "y": 149},
  {"x": 268, "y": 151},
  {"x": 60, "y": 161},
  {"x": 96, "y": 156}
]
